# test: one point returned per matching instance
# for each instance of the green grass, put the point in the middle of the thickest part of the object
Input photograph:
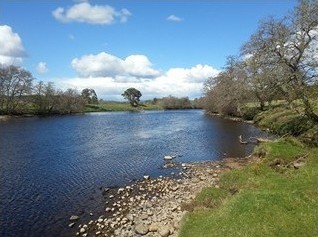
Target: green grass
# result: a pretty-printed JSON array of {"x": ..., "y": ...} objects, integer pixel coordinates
[
  {"x": 284, "y": 121},
  {"x": 118, "y": 106},
  {"x": 258, "y": 200}
]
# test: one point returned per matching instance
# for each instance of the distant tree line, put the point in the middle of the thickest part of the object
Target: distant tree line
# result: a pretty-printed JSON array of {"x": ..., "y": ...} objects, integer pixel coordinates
[
  {"x": 171, "y": 102},
  {"x": 279, "y": 61},
  {"x": 21, "y": 94}
]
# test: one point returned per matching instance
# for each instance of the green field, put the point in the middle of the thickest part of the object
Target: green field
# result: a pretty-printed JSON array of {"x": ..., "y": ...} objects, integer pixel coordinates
[{"x": 119, "y": 106}]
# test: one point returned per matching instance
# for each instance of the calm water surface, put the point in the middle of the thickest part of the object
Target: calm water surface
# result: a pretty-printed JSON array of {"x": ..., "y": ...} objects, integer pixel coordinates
[{"x": 52, "y": 168}]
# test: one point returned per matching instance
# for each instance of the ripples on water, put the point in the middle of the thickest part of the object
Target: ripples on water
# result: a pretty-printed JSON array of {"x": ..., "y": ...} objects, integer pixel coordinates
[{"x": 53, "y": 167}]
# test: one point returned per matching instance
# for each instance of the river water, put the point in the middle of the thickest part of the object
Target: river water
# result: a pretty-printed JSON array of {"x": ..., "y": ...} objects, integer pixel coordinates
[{"x": 53, "y": 167}]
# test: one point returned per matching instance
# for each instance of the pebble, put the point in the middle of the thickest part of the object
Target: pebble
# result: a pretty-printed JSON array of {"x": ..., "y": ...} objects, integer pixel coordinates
[
  {"x": 168, "y": 158},
  {"x": 164, "y": 231},
  {"x": 141, "y": 229},
  {"x": 74, "y": 218}
]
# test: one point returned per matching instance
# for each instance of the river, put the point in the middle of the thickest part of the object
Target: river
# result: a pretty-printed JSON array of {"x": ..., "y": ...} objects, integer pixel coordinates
[{"x": 53, "y": 167}]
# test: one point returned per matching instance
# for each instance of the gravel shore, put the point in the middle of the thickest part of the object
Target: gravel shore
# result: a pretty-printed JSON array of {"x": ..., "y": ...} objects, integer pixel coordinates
[{"x": 155, "y": 207}]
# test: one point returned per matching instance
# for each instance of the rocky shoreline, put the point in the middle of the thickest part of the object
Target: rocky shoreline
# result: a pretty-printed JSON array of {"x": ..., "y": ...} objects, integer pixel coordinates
[{"x": 155, "y": 207}]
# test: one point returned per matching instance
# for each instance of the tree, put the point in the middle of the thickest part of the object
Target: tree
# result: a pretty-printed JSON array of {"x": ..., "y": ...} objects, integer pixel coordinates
[
  {"x": 89, "y": 95},
  {"x": 133, "y": 96},
  {"x": 290, "y": 46},
  {"x": 15, "y": 84},
  {"x": 226, "y": 92}
]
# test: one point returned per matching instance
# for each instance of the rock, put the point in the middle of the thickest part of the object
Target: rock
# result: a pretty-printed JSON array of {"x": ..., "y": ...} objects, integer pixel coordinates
[
  {"x": 143, "y": 216},
  {"x": 153, "y": 227},
  {"x": 120, "y": 190},
  {"x": 168, "y": 158},
  {"x": 74, "y": 218},
  {"x": 297, "y": 165},
  {"x": 82, "y": 230},
  {"x": 146, "y": 177},
  {"x": 71, "y": 224},
  {"x": 141, "y": 229},
  {"x": 164, "y": 231},
  {"x": 130, "y": 217}
]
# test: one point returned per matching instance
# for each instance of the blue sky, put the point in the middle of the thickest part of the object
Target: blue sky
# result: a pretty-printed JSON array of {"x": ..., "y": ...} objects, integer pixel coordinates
[{"x": 160, "y": 47}]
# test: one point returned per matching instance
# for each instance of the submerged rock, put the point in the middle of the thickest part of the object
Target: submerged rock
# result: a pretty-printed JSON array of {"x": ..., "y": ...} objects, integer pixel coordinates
[
  {"x": 74, "y": 218},
  {"x": 168, "y": 158}
]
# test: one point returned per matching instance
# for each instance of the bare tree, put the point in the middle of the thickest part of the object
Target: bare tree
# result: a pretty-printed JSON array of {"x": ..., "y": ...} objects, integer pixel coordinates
[
  {"x": 226, "y": 92},
  {"x": 15, "y": 84},
  {"x": 290, "y": 47}
]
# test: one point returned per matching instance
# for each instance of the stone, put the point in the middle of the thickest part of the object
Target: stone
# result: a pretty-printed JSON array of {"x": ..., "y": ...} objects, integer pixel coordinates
[
  {"x": 153, "y": 227},
  {"x": 164, "y": 231},
  {"x": 146, "y": 177},
  {"x": 74, "y": 218},
  {"x": 143, "y": 216},
  {"x": 168, "y": 158},
  {"x": 82, "y": 230},
  {"x": 71, "y": 224},
  {"x": 130, "y": 217},
  {"x": 141, "y": 229},
  {"x": 297, "y": 165}
]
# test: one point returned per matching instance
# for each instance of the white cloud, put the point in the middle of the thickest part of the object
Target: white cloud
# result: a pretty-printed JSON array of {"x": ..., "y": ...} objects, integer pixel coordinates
[
  {"x": 174, "y": 18},
  {"x": 110, "y": 76},
  {"x": 11, "y": 48},
  {"x": 41, "y": 68},
  {"x": 104, "y": 64},
  {"x": 93, "y": 14}
]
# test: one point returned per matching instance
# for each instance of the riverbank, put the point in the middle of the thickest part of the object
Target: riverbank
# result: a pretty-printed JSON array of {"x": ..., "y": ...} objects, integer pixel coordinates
[
  {"x": 275, "y": 195},
  {"x": 155, "y": 207}
]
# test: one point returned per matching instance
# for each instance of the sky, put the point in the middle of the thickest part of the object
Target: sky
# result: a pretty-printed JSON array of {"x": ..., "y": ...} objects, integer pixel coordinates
[{"x": 162, "y": 48}]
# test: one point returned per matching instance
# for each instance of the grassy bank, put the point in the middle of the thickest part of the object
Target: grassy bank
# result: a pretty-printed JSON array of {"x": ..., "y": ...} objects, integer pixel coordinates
[
  {"x": 118, "y": 106},
  {"x": 276, "y": 196}
]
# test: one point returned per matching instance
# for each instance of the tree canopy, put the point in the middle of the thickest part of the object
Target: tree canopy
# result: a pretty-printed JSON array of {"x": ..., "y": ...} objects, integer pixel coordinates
[
  {"x": 133, "y": 96},
  {"x": 90, "y": 96}
]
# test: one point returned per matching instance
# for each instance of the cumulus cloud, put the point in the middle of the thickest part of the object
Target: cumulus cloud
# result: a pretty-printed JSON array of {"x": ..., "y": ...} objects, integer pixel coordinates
[
  {"x": 104, "y": 64},
  {"x": 174, "y": 18},
  {"x": 93, "y": 14},
  {"x": 110, "y": 76},
  {"x": 11, "y": 48},
  {"x": 41, "y": 68}
]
